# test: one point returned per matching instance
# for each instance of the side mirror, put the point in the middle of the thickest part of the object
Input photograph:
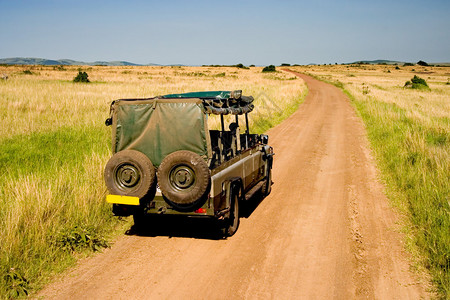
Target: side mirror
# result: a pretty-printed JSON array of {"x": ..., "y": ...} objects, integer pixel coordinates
[{"x": 264, "y": 139}]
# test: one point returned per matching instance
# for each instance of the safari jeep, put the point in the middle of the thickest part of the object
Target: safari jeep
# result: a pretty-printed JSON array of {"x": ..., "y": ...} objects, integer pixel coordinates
[{"x": 167, "y": 161}]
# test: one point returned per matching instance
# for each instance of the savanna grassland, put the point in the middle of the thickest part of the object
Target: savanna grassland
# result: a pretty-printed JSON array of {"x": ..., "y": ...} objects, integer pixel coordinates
[
  {"x": 409, "y": 131},
  {"x": 54, "y": 146}
]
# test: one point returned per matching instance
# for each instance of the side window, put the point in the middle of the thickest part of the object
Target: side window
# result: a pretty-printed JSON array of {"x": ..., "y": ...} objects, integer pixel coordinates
[{"x": 230, "y": 140}]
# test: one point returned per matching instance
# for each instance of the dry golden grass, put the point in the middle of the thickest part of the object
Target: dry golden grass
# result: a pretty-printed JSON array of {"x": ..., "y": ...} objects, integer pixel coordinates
[
  {"x": 54, "y": 145},
  {"x": 48, "y": 98},
  {"x": 385, "y": 83}
]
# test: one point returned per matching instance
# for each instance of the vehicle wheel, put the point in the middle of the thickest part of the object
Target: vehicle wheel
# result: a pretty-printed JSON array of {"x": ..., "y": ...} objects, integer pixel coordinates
[
  {"x": 184, "y": 180},
  {"x": 267, "y": 185},
  {"x": 232, "y": 223},
  {"x": 130, "y": 173}
]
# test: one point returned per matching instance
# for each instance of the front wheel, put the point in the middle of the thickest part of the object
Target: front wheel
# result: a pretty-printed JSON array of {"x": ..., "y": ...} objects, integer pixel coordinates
[
  {"x": 267, "y": 184},
  {"x": 232, "y": 222}
]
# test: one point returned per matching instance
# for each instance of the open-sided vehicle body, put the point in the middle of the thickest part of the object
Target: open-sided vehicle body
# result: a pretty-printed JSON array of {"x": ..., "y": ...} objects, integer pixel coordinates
[{"x": 167, "y": 161}]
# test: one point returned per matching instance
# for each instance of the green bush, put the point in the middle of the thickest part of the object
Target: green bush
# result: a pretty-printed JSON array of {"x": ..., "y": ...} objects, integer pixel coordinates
[
  {"x": 270, "y": 68},
  {"x": 422, "y": 63},
  {"x": 81, "y": 77},
  {"x": 241, "y": 66},
  {"x": 416, "y": 79},
  {"x": 17, "y": 284},
  {"x": 365, "y": 90},
  {"x": 78, "y": 238},
  {"x": 59, "y": 68},
  {"x": 417, "y": 83},
  {"x": 408, "y": 64}
]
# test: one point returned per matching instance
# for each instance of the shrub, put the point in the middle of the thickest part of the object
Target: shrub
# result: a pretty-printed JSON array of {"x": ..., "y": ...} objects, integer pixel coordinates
[
  {"x": 408, "y": 64},
  {"x": 241, "y": 66},
  {"x": 27, "y": 72},
  {"x": 365, "y": 90},
  {"x": 59, "y": 68},
  {"x": 397, "y": 68},
  {"x": 81, "y": 77},
  {"x": 17, "y": 284},
  {"x": 422, "y": 63},
  {"x": 417, "y": 83},
  {"x": 418, "y": 80},
  {"x": 285, "y": 65},
  {"x": 78, "y": 238},
  {"x": 270, "y": 68}
]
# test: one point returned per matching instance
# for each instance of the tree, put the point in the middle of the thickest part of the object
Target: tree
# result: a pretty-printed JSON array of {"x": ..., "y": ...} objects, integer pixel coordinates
[
  {"x": 81, "y": 77},
  {"x": 270, "y": 68},
  {"x": 422, "y": 63}
]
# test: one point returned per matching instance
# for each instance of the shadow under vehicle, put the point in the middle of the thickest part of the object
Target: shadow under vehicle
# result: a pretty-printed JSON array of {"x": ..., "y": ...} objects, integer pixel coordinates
[{"x": 166, "y": 161}]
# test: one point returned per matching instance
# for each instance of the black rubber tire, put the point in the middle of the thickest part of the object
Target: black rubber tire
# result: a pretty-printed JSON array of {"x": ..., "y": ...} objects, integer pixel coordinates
[
  {"x": 130, "y": 173},
  {"x": 232, "y": 223},
  {"x": 184, "y": 180},
  {"x": 267, "y": 185}
]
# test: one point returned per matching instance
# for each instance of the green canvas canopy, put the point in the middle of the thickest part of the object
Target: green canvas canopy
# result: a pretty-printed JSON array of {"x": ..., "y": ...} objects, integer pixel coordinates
[{"x": 161, "y": 125}]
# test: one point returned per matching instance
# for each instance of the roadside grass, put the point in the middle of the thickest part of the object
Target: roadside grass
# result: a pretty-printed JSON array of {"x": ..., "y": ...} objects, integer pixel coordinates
[
  {"x": 54, "y": 146},
  {"x": 51, "y": 191},
  {"x": 416, "y": 170},
  {"x": 409, "y": 131}
]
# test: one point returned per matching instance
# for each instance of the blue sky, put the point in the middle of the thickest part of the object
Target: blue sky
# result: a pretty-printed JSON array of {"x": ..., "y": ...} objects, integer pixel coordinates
[{"x": 226, "y": 32}]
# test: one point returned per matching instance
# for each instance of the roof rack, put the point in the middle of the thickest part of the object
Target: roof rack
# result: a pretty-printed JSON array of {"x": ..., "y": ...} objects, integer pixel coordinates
[{"x": 220, "y": 102}]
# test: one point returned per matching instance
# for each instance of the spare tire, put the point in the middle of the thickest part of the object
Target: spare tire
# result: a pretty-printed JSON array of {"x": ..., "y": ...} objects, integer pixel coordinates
[
  {"x": 184, "y": 180},
  {"x": 130, "y": 173}
]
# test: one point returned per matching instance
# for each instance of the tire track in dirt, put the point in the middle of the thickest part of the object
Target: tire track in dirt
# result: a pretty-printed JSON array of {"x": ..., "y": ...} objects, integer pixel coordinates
[{"x": 325, "y": 231}]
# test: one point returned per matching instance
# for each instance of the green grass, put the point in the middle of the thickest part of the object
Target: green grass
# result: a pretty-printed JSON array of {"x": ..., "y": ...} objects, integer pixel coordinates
[
  {"x": 45, "y": 152},
  {"x": 51, "y": 194},
  {"x": 414, "y": 159}
]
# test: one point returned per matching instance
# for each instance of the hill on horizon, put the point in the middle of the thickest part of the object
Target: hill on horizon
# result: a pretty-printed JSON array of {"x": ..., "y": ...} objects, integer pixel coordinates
[
  {"x": 378, "y": 61},
  {"x": 71, "y": 62},
  {"x": 65, "y": 62},
  {"x": 393, "y": 62}
]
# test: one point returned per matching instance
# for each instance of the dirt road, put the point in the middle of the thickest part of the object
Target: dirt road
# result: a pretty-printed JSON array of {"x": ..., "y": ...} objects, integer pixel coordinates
[{"x": 326, "y": 230}]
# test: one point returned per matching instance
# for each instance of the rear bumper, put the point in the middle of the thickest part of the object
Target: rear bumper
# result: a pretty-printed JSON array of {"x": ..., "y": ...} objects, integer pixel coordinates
[
  {"x": 126, "y": 205},
  {"x": 125, "y": 200}
]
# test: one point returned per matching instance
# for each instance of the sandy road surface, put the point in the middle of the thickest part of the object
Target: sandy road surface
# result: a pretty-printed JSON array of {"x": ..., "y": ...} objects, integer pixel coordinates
[{"x": 325, "y": 231}]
